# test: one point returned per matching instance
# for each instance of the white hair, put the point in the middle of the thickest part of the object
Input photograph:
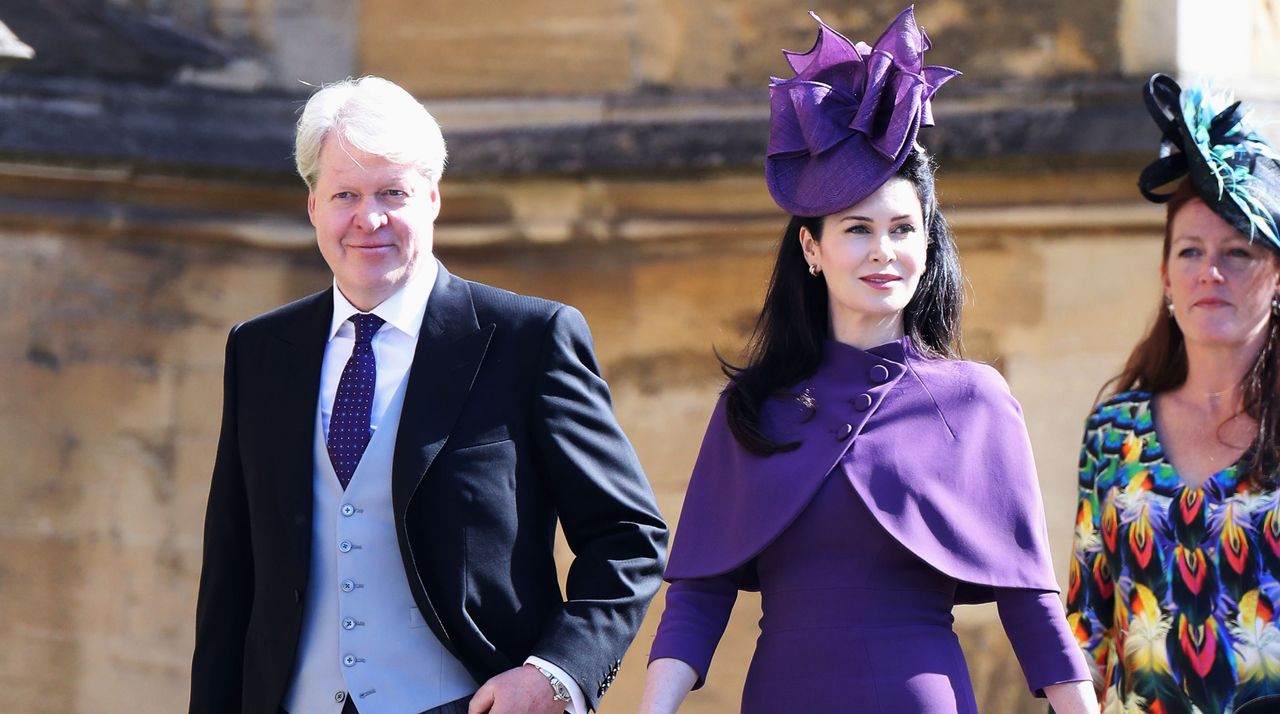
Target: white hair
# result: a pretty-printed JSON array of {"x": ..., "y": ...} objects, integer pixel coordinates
[{"x": 375, "y": 116}]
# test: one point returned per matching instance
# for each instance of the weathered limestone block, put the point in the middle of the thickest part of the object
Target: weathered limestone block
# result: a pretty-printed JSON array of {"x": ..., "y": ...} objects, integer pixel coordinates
[
  {"x": 202, "y": 346},
  {"x": 984, "y": 38},
  {"x": 109, "y": 405},
  {"x": 572, "y": 48},
  {"x": 135, "y": 619},
  {"x": 441, "y": 48},
  {"x": 227, "y": 286},
  {"x": 716, "y": 197},
  {"x": 1148, "y": 32},
  {"x": 686, "y": 43},
  {"x": 314, "y": 41},
  {"x": 39, "y": 446},
  {"x": 1057, "y": 366},
  {"x": 43, "y": 656},
  {"x": 997, "y": 271}
]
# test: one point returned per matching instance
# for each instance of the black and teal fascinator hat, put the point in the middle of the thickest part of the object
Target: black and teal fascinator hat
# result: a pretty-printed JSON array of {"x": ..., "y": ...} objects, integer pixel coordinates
[{"x": 1207, "y": 138}]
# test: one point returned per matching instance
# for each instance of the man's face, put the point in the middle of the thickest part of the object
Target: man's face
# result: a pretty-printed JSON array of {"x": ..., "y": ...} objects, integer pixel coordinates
[{"x": 374, "y": 220}]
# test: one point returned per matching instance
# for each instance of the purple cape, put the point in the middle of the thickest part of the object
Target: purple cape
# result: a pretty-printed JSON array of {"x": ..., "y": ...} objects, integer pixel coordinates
[{"x": 936, "y": 448}]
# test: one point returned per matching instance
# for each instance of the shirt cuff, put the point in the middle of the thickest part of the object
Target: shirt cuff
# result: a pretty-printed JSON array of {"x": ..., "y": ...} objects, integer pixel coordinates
[{"x": 579, "y": 703}]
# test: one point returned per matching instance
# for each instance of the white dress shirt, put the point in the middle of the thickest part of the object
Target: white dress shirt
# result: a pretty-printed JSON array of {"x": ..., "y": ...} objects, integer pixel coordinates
[{"x": 394, "y": 346}]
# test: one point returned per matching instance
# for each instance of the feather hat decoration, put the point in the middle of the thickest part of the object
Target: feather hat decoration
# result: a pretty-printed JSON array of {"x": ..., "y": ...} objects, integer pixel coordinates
[{"x": 1206, "y": 137}]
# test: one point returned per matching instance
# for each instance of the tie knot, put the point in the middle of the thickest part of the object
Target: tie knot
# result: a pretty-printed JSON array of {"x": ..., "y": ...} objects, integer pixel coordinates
[{"x": 366, "y": 325}]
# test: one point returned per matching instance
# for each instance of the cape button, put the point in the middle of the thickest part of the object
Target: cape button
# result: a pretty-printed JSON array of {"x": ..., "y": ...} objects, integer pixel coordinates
[
  {"x": 862, "y": 402},
  {"x": 879, "y": 374},
  {"x": 843, "y": 432}
]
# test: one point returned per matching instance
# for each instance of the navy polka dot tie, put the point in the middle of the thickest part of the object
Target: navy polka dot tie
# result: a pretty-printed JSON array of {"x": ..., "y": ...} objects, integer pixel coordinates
[{"x": 349, "y": 431}]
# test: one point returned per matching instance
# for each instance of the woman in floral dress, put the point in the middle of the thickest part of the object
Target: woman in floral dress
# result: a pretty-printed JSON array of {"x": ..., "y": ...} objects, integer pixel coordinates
[{"x": 1175, "y": 577}]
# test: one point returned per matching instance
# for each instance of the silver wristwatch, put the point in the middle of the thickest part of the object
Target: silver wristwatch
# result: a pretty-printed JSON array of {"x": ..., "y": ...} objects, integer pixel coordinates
[{"x": 561, "y": 692}]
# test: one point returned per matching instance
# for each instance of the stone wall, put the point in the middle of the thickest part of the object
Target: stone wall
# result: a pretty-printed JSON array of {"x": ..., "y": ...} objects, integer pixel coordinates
[
  {"x": 570, "y": 47},
  {"x": 443, "y": 49}
]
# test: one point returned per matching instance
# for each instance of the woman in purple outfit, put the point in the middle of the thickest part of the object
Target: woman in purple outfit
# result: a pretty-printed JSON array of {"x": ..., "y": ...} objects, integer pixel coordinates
[{"x": 855, "y": 472}]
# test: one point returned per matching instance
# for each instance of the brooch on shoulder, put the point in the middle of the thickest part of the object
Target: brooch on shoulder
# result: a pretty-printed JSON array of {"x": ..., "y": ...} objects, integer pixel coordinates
[{"x": 806, "y": 400}]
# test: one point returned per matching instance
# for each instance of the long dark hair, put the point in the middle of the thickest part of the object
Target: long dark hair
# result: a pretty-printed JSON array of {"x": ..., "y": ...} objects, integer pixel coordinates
[
  {"x": 786, "y": 344},
  {"x": 1159, "y": 364}
]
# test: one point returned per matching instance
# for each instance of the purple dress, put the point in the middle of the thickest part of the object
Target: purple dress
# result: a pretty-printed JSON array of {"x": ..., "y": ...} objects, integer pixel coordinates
[{"x": 850, "y": 611}]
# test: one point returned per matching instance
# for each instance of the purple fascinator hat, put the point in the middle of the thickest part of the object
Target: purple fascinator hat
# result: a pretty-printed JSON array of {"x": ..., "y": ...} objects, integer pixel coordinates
[{"x": 845, "y": 123}]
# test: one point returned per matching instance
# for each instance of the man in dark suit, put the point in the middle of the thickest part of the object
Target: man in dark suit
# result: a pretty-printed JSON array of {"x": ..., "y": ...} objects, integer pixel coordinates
[{"x": 395, "y": 454}]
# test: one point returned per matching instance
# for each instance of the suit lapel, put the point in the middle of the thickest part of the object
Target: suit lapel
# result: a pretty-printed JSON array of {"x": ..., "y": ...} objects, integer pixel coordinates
[
  {"x": 293, "y": 360},
  {"x": 451, "y": 347}
]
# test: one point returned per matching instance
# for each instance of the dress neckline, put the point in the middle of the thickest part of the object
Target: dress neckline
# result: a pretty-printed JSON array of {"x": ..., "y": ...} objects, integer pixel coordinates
[
  {"x": 896, "y": 350},
  {"x": 1221, "y": 478}
]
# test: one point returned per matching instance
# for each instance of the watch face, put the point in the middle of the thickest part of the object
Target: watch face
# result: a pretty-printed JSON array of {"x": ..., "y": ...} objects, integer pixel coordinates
[
  {"x": 559, "y": 692},
  {"x": 562, "y": 692}
]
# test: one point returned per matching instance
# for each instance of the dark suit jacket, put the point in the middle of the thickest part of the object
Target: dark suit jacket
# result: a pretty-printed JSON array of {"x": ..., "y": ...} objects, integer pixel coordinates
[{"x": 506, "y": 427}]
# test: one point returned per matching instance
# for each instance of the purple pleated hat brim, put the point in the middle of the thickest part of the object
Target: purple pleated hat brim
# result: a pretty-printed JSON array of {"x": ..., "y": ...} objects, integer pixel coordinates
[{"x": 846, "y": 122}]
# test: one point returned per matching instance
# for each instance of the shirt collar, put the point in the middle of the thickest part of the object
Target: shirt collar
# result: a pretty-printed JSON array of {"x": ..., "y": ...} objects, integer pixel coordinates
[{"x": 405, "y": 308}]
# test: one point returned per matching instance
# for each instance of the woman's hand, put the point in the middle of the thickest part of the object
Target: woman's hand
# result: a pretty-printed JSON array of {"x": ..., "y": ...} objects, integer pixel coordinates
[
  {"x": 669, "y": 681},
  {"x": 1072, "y": 698}
]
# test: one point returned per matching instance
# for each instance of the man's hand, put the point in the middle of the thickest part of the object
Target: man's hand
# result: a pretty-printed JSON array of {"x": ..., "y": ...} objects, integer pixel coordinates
[{"x": 522, "y": 690}]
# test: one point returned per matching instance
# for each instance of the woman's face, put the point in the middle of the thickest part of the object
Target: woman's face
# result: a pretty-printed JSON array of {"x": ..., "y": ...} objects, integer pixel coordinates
[
  {"x": 872, "y": 255},
  {"x": 1220, "y": 283}
]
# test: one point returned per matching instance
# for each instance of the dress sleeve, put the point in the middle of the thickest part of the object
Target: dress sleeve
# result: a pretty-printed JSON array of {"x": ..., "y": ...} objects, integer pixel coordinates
[
  {"x": 1044, "y": 645},
  {"x": 1090, "y": 589},
  {"x": 693, "y": 621}
]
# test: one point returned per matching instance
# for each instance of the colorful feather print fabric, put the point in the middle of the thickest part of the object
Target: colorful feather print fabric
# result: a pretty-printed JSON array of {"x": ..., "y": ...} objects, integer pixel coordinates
[{"x": 1172, "y": 590}]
